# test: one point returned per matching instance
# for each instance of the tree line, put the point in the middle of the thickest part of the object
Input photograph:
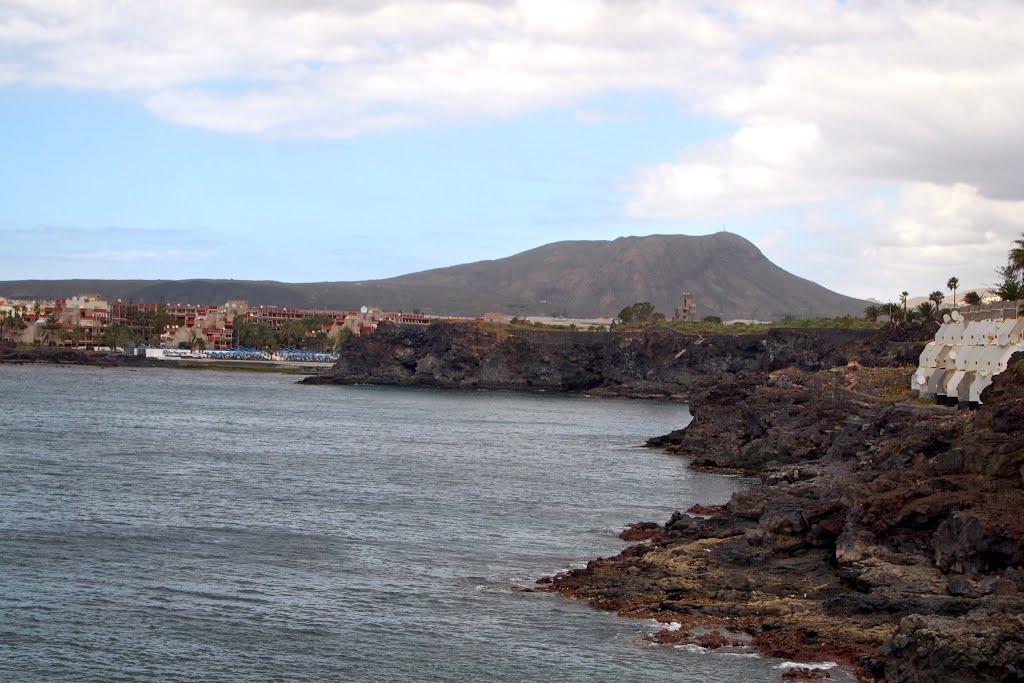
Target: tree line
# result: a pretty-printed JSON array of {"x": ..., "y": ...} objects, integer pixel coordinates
[
  {"x": 1009, "y": 288},
  {"x": 305, "y": 333}
]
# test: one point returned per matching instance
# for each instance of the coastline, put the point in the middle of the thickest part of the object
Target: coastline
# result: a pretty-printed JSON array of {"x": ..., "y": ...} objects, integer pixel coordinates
[
  {"x": 883, "y": 532},
  {"x": 56, "y": 356},
  {"x": 652, "y": 362},
  {"x": 884, "y": 535}
]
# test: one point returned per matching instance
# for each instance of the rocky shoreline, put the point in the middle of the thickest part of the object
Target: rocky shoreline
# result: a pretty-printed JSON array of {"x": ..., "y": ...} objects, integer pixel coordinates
[
  {"x": 886, "y": 534},
  {"x": 58, "y": 356},
  {"x": 883, "y": 533}
]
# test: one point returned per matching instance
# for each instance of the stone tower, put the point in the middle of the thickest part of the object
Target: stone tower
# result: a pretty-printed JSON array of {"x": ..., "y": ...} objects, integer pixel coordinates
[{"x": 687, "y": 309}]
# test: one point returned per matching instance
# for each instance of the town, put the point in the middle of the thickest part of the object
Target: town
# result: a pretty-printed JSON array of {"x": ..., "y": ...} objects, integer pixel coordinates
[{"x": 88, "y": 321}]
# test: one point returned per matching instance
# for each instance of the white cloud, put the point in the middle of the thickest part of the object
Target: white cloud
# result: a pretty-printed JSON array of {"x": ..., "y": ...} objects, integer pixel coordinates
[
  {"x": 914, "y": 241},
  {"x": 566, "y": 17},
  {"x": 242, "y": 66},
  {"x": 831, "y": 102},
  {"x": 765, "y": 163},
  {"x": 872, "y": 94}
]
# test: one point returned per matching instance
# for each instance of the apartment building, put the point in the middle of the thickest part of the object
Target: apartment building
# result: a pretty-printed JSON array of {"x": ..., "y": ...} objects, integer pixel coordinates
[{"x": 80, "y": 321}]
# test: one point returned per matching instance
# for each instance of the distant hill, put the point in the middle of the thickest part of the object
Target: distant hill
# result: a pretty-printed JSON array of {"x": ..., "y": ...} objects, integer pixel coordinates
[{"x": 727, "y": 275}]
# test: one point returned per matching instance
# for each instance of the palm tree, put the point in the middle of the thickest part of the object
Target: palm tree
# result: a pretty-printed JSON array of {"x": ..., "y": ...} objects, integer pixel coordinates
[
  {"x": 1017, "y": 255},
  {"x": 8, "y": 322},
  {"x": 903, "y": 301},
  {"x": 195, "y": 339},
  {"x": 926, "y": 309},
  {"x": 953, "y": 283},
  {"x": 872, "y": 312},
  {"x": 936, "y": 298},
  {"x": 11, "y": 322},
  {"x": 972, "y": 299},
  {"x": 1011, "y": 291}
]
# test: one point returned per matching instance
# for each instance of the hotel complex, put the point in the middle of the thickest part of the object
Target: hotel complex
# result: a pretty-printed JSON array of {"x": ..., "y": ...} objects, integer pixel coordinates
[{"x": 80, "y": 321}]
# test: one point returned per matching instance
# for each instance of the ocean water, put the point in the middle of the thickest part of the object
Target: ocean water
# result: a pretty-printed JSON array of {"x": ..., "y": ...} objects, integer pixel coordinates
[{"x": 166, "y": 525}]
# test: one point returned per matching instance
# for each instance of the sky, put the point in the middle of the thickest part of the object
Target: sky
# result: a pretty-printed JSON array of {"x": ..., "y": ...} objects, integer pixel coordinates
[{"x": 869, "y": 146}]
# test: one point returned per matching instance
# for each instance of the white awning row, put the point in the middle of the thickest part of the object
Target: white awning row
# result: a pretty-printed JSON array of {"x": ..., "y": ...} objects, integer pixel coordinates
[{"x": 964, "y": 357}]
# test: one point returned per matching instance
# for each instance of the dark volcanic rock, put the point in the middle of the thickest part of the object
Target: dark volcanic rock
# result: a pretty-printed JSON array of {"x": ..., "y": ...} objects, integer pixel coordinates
[
  {"x": 14, "y": 354},
  {"x": 986, "y": 646},
  {"x": 888, "y": 532},
  {"x": 657, "y": 361}
]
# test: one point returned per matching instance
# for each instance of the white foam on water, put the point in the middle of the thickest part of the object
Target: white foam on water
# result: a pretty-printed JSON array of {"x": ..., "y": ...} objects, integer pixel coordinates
[
  {"x": 736, "y": 652},
  {"x": 690, "y": 647},
  {"x": 785, "y": 666},
  {"x": 741, "y": 651}
]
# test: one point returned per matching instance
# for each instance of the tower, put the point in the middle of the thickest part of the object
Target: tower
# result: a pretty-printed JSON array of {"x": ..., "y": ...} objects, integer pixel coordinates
[{"x": 687, "y": 309}]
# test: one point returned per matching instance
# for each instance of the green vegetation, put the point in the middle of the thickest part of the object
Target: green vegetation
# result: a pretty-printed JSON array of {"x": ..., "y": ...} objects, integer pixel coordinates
[
  {"x": 897, "y": 394},
  {"x": 951, "y": 284},
  {"x": 255, "y": 334},
  {"x": 10, "y": 322},
  {"x": 53, "y": 329},
  {"x": 147, "y": 325},
  {"x": 1016, "y": 255},
  {"x": 303, "y": 333},
  {"x": 842, "y": 322},
  {"x": 525, "y": 324},
  {"x": 1009, "y": 288},
  {"x": 711, "y": 326},
  {"x": 119, "y": 336},
  {"x": 643, "y": 314},
  {"x": 640, "y": 313},
  {"x": 1011, "y": 276},
  {"x": 1011, "y": 285},
  {"x": 77, "y": 334}
]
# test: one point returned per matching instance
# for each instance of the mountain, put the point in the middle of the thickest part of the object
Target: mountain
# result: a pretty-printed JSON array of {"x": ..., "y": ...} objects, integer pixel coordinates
[{"x": 727, "y": 275}]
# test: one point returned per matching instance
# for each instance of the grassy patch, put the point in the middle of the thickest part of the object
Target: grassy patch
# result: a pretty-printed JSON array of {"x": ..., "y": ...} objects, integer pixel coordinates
[
  {"x": 841, "y": 323},
  {"x": 897, "y": 393}
]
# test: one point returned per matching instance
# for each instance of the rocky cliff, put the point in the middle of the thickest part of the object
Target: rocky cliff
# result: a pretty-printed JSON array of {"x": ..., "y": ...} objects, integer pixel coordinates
[{"x": 655, "y": 361}]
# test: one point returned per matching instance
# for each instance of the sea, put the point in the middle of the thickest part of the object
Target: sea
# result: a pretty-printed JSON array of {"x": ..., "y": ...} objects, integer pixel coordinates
[{"x": 200, "y": 525}]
